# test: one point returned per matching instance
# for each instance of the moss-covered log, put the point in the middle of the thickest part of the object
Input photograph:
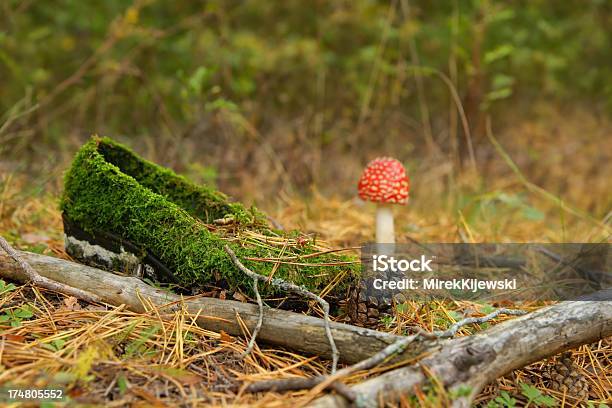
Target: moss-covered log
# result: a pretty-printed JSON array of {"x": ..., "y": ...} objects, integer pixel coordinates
[
  {"x": 109, "y": 190},
  {"x": 282, "y": 328}
]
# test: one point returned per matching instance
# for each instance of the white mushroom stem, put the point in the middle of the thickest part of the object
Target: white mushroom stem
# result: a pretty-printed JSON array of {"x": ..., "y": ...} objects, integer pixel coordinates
[{"x": 385, "y": 233}]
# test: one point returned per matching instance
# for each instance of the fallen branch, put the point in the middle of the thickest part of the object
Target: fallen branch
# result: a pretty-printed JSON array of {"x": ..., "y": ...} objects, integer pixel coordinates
[
  {"x": 319, "y": 383},
  {"x": 290, "y": 287},
  {"x": 469, "y": 361},
  {"x": 306, "y": 334},
  {"x": 36, "y": 279},
  {"x": 474, "y": 361},
  {"x": 295, "y": 384}
]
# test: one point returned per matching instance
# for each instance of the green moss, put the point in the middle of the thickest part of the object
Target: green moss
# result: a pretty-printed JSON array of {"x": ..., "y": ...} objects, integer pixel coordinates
[
  {"x": 111, "y": 189},
  {"x": 200, "y": 201}
]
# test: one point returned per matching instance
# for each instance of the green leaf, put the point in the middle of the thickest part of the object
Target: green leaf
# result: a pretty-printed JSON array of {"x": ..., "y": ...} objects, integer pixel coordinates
[
  {"x": 58, "y": 344},
  {"x": 498, "y": 53},
  {"x": 506, "y": 400},
  {"x": 502, "y": 81},
  {"x": 24, "y": 312},
  {"x": 4, "y": 287},
  {"x": 547, "y": 401},
  {"x": 530, "y": 391},
  {"x": 487, "y": 308},
  {"x": 122, "y": 384},
  {"x": 387, "y": 321},
  {"x": 136, "y": 346},
  {"x": 533, "y": 214},
  {"x": 499, "y": 94},
  {"x": 462, "y": 391},
  {"x": 455, "y": 315},
  {"x": 402, "y": 307},
  {"x": 221, "y": 104},
  {"x": 534, "y": 395},
  {"x": 199, "y": 79}
]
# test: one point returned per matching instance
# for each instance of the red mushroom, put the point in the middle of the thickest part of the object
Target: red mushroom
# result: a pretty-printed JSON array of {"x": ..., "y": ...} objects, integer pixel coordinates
[{"x": 385, "y": 182}]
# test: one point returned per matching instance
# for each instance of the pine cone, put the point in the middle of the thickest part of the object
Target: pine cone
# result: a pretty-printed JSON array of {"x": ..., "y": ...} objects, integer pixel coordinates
[
  {"x": 564, "y": 376},
  {"x": 363, "y": 309}
]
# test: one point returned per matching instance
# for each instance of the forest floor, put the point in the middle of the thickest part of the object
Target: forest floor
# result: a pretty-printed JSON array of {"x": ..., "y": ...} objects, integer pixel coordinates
[{"x": 106, "y": 355}]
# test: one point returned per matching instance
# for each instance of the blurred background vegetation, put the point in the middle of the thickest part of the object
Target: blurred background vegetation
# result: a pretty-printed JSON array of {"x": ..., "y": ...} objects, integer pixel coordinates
[{"x": 271, "y": 99}]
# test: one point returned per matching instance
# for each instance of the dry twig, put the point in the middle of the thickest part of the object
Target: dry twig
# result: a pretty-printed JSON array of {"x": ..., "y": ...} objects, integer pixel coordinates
[
  {"x": 259, "y": 321},
  {"x": 320, "y": 383},
  {"x": 295, "y": 384},
  {"x": 290, "y": 287},
  {"x": 473, "y": 361},
  {"x": 38, "y": 280}
]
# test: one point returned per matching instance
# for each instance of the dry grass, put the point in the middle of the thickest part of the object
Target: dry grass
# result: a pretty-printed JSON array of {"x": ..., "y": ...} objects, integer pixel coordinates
[
  {"x": 568, "y": 154},
  {"x": 113, "y": 357},
  {"x": 106, "y": 355},
  {"x": 110, "y": 356}
]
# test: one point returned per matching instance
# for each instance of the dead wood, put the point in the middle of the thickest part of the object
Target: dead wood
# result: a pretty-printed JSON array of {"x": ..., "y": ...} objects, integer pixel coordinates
[
  {"x": 474, "y": 361},
  {"x": 280, "y": 328},
  {"x": 37, "y": 279},
  {"x": 319, "y": 383},
  {"x": 470, "y": 361}
]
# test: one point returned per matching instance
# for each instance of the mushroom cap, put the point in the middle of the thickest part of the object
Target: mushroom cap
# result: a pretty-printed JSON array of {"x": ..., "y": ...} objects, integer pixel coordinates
[{"x": 384, "y": 180}]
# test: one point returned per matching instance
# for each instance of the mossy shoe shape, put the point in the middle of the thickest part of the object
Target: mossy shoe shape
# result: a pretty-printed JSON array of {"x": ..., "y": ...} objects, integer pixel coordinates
[{"x": 124, "y": 213}]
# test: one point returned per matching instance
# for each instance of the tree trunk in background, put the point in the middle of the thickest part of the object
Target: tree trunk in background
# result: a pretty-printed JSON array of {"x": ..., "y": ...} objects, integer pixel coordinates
[{"x": 472, "y": 102}]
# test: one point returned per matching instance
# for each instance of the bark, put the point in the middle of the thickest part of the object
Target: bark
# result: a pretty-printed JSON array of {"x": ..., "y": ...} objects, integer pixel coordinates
[
  {"x": 280, "y": 328},
  {"x": 476, "y": 360},
  {"x": 473, "y": 361}
]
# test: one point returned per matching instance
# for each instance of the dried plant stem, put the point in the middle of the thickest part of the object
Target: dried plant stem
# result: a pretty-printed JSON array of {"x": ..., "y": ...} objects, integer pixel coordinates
[
  {"x": 537, "y": 189},
  {"x": 259, "y": 321},
  {"x": 38, "y": 280},
  {"x": 290, "y": 287},
  {"x": 389, "y": 351}
]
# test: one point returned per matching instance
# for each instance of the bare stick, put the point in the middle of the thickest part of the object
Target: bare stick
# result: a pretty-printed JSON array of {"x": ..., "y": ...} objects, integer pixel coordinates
[
  {"x": 451, "y": 331},
  {"x": 259, "y": 321},
  {"x": 38, "y": 280},
  {"x": 473, "y": 361},
  {"x": 290, "y": 287},
  {"x": 322, "y": 382},
  {"x": 295, "y": 384},
  {"x": 389, "y": 351},
  {"x": 295, "y": 331},
  {"x": 469, "y": 360}
]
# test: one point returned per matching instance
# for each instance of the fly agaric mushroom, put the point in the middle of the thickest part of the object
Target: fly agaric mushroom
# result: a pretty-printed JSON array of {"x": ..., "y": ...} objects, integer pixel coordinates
[{"x": 384, "y": 181}]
